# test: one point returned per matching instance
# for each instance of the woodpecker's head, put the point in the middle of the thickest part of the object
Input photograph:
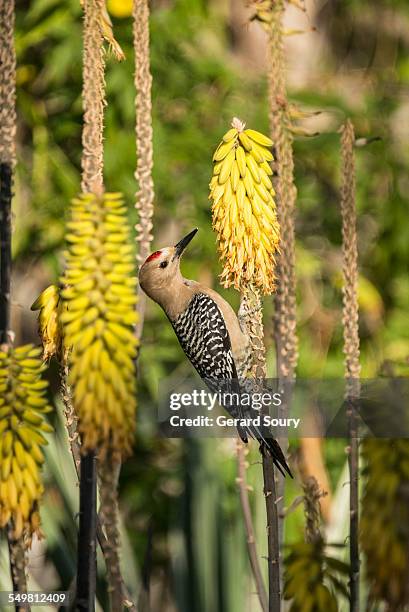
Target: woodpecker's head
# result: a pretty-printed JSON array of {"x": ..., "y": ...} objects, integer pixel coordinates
[{"x": 162, "y": 268}]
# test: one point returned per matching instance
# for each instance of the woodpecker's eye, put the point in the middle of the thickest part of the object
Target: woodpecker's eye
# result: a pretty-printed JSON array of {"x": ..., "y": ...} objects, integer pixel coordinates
[{"x": 163, "y": 264}]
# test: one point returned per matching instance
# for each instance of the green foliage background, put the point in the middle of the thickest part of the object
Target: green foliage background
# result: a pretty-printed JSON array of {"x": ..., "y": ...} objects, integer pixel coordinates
[{"x": 185, "y": 493}]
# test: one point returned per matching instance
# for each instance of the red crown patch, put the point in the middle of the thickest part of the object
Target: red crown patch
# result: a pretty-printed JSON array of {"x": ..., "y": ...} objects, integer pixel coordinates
[{"x": 154, "y": 255}]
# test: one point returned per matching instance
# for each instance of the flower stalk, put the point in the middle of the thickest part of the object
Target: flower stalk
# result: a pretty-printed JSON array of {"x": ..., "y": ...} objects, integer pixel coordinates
[
  {"x": 93, "y": 100},
  {"x": 245, "y": 221},
  {"x": 270, "y": 15},
  {"x": 351, "y": 345},
  {"x": 5, "y": 249},
  {"x": 16, "y": 546},
  {"x": 110, "y": 468},
  {"x": 251, "y": 321},
  {"x": 144, "y": 143},
  {"x": 86, "y": 567},
  {"x": 248, "y": 525}
]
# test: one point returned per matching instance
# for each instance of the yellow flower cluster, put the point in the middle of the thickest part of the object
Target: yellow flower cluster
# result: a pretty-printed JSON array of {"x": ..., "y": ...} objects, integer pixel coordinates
[
  {"x": 98, "y": 318},
  {"x": 49, "y": 326},
  {"x": 312, "y": 579},
  {"x": 120, "y": 8},
  {"x": 244, "y": 212},
  {"x": 22, "y": 408},
  {"x": 384, "y": 533}
]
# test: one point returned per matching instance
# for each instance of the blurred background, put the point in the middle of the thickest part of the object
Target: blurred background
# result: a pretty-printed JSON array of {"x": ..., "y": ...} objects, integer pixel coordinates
[{"x": 182, "y": 525}]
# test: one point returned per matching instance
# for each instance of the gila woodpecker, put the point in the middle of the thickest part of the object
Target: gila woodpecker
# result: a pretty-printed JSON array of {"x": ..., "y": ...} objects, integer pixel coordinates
[{"x": 207, "y": 328}]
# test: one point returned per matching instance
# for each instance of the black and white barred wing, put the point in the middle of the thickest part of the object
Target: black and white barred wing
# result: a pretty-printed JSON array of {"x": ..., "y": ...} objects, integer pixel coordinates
[{"x": 203, "y": 335}]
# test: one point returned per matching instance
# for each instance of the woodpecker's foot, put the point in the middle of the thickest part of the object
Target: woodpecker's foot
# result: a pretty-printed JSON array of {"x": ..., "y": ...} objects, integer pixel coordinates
[{"x": 263, "y": 448}]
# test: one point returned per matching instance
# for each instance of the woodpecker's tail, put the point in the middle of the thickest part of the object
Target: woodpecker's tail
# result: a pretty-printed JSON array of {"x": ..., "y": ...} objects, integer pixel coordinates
[
  {"x": 261, "y": 434},
  {"x": 269, "y": 445},
  {"x": 272, "y": 446}
]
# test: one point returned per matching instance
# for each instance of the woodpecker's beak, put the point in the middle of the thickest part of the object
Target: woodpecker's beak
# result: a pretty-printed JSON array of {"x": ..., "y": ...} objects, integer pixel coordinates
[{"x": 182, "y": 244}]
